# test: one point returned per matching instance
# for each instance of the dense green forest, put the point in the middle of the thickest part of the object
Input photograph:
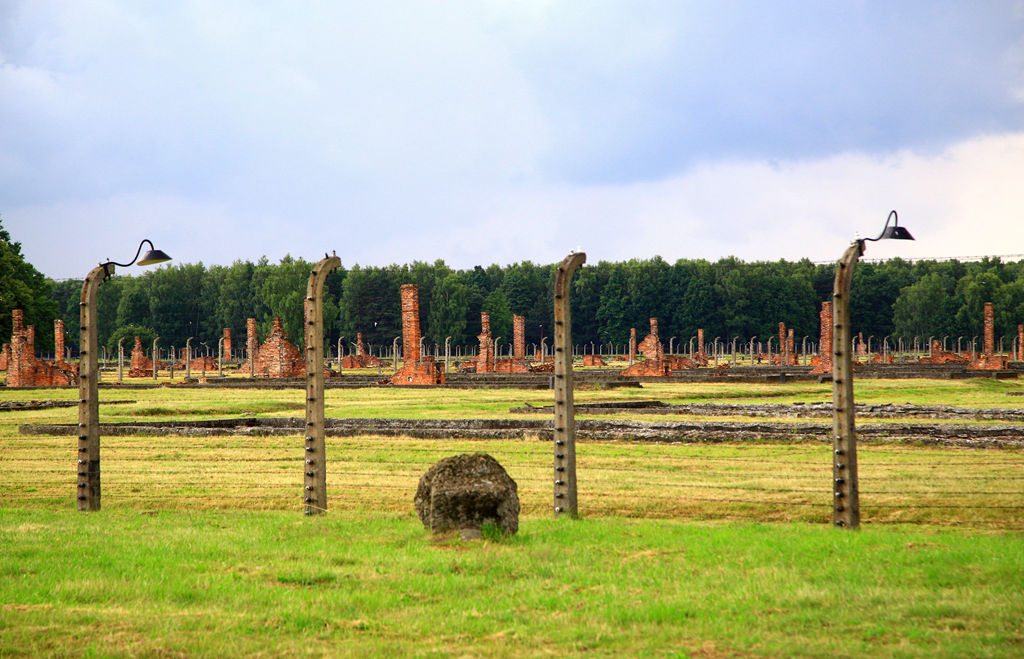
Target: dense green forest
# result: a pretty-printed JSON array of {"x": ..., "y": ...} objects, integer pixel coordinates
[{"x": 727, "y": 298}]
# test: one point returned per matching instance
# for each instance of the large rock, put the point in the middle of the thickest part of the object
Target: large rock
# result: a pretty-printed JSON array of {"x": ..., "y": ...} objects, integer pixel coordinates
[{"x": 465, "y": 491}]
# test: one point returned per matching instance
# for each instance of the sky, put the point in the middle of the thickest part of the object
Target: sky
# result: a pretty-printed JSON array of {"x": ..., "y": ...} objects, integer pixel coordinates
[{"x": 491, "y": 131}]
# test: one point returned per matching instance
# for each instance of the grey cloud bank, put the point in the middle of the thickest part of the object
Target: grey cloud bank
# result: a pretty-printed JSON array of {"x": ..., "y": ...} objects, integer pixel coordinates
[{"x": 396, "y": 131}]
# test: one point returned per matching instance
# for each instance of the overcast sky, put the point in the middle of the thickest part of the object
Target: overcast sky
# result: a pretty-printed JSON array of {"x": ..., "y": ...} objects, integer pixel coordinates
[{"x": 494, "y": 132}]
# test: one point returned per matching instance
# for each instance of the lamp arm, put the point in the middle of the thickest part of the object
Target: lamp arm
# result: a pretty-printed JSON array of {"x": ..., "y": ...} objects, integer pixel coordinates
[
  {"x": 125, "y": 265},
  {"x": 892, "y": 215}
]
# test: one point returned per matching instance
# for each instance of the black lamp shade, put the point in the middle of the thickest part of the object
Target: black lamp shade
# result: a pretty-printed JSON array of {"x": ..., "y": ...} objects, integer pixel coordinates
[
  {"x": 896, "y": 233},
  {"x": 153, "y": 256}
]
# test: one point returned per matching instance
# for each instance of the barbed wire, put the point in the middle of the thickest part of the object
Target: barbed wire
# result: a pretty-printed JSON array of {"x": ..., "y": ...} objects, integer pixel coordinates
[{"x": 212, "y": 471}]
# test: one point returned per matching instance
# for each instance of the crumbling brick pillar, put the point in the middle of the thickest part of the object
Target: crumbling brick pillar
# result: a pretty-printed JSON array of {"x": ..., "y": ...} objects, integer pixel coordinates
[
  {"x": 485, "y": 355},
  {"x": 5, "y": 357},
  {"x": 651, "y": 345},
  {"x": 990, "y": 332},
  {"x": 823, "y": 362},
  {"x": 518, "y": 337},
  {"x": 416, "y": 370},
  {"x": 19, "y": 352},
  {"x": 410, "y": 323},
  {"x": 632, "y": 345},
  {"x": 277, "y": 357},
  {"x": 58, "y": 340},
  {"x": 790, "y": 349},
  {"x": 227, "y": 343},
  {"x": 360, "y": 347},
  {"x": 252, "y": 344},
  {"x": 862, "y": 350},
  {"x": 1020, "y": 342}
]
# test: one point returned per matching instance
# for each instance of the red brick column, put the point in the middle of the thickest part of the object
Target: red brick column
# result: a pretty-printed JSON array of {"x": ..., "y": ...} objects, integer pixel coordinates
[
  {"x": 252, "y": 344},
  {"x": 227, "y": 343},
  {"x": 19, "y": 352},
  {"x": 990, "y": 333},
  {"x": 485, "y": 355},
  {"x": 862, "y": 349},
  {"x": 651, "y": 345},
  {"x": 411, "y": 322},
  {"x": 360, "y": 348},
  {"x": 5, "y": 357},
  {"x": 1020, "y": 342},
  {"x": 825, "y": 334},
  {"x": 58, "y": 340},
  {"x": 518, "y": 337},
  {"x": 632, "y": 345},
  {"x": 416, "y": 370}
]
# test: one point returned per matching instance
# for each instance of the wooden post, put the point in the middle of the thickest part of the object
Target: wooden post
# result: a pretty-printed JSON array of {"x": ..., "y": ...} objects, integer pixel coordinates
[
  {"x": 565, "y": 413},
  {"x": 316, "y": 446},
  {"x": 846, "y": 496},
  {"x": 88, "y": 394}
]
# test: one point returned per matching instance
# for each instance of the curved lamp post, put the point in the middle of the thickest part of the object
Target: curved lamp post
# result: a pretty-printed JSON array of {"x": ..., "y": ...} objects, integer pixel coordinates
[
  {"x": 88, "y": 375},
  {"x": 846, "y": 499}
]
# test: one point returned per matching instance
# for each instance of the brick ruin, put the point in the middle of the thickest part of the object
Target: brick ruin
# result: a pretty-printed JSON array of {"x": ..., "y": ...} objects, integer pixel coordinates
[
  {"x": 277, "y": 357},
  {"x": 517, "y": 363},
  {"x": 485, "y": 354},
  {"x": 700, "y": 357},
  {"x": 988, "y": 360},
  {"x": 416, "y": 369},
  {"x": 787, "y": 355},
  {"x": 226, "y": 346},
  {"x": 198, "y": 363},
  {"x": 141, "y": 365},
  {"x": 593, "y": 360},
  {"x": 655, "y": 362},
  {"x": 5, "y": 356},
  {"x": 632, "y": 345},
  {"x": 360, "y": 359},
  {"x": 822, "y": 362},
  {"x": 252, "y": 344},
  {"x": 1020, "y": 343},
  {"x": 940, "y": 356},
  {"x": 24, "y": 369}
]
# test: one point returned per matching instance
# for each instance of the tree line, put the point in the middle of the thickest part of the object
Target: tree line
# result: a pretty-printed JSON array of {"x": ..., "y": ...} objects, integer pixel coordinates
[{"x": 727, "y": 298}]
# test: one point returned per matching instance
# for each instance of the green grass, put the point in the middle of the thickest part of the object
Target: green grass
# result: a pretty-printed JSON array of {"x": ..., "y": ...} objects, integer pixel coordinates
[
  {"x": 706, "y": 550},
  {"x": 232, "y": 583}
]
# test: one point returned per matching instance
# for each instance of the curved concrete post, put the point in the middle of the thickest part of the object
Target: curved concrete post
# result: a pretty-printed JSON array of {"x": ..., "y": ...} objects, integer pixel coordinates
[
  {"x": 565, "y": 414},
  {"x": 846, "y": 496},
  {"x": 220, "y": 357},
  {"x": 88, "y": 395},
  {"x": 188, "y": 357},
  {"x": 447, "y": 351},
  {"x": 120, "y": 360},
  {"x": 156, "y": 357},
  {"x": 394, "y": 353},
  {"x": 315, "y": 469}
]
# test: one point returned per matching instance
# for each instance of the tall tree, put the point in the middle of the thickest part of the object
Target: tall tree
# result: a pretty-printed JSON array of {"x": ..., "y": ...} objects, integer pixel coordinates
[
  {"x": 23, "y": 287},
  {"x": 448, "y": 310}
]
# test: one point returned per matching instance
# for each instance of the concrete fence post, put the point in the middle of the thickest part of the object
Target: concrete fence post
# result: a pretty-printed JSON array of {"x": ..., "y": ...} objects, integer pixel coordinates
[
  {"x": 565, "y": 415},
  {"x": 315, "y": 468}
]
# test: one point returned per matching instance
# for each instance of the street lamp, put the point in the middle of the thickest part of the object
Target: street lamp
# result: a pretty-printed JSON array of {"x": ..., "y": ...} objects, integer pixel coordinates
[
  {"x": 88, "y": 376},
  {"x": 846, "y": 498}
]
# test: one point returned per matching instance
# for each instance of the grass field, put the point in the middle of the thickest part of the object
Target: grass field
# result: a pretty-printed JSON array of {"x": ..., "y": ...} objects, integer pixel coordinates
[{"x": 683, "y": 549}]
